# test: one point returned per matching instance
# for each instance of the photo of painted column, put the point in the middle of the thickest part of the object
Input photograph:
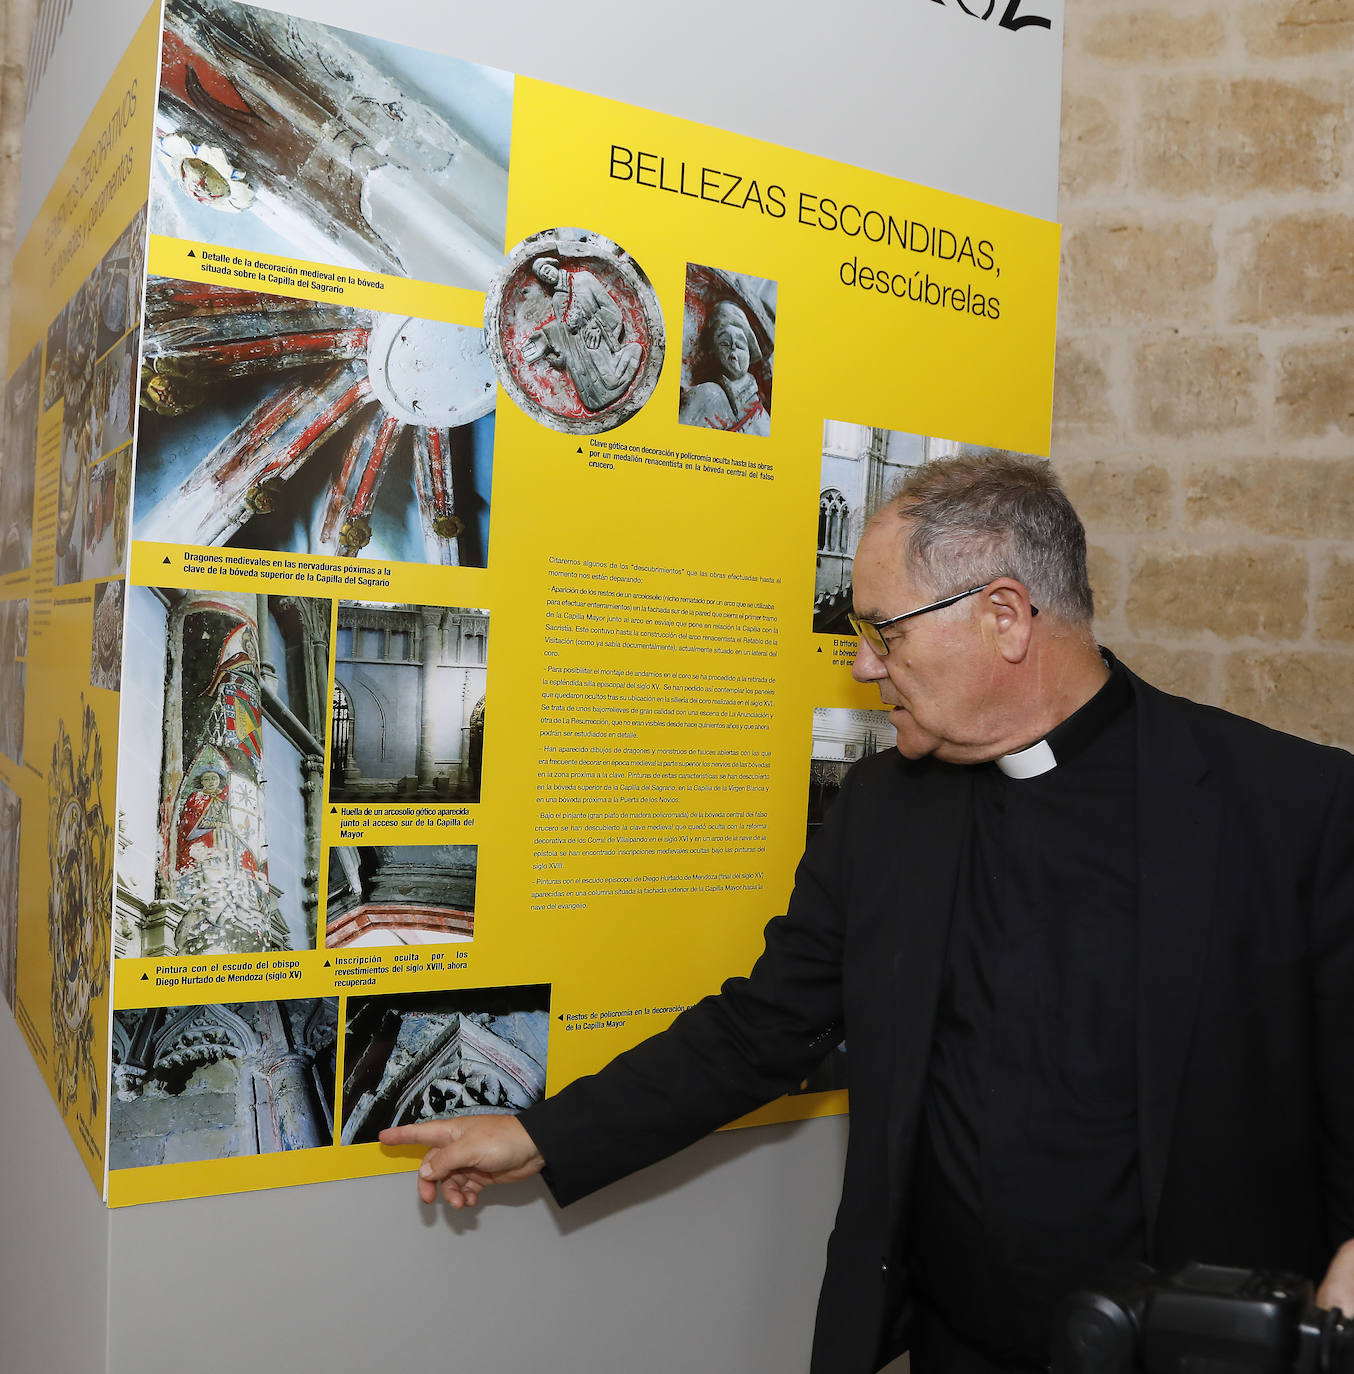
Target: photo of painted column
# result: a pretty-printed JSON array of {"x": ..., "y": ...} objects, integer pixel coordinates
[
  {"x": 217, "y": 1082},
  {"x": 408, "y": 716},
  {"x": 407, "y": 894},
  {"x": 280, "y": 135},
  {"x": 220, "y": 781},
  {"x": 426, "y": 1056},
  {"x": 271, "y": 422}
]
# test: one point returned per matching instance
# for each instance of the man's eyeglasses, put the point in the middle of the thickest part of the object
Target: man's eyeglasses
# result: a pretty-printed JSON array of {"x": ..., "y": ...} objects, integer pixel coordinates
[{"x": 872, "y": 631}]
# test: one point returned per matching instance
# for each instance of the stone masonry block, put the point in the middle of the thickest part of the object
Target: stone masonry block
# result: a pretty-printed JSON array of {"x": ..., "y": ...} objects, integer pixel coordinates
[
  {"x": 1118, "y": 270},
  {"x": 1295, "y": 267},
  {"x": 1196, "y": 385},
  {"x": 1212, "y": 136},
  {"x": 1316, "y": 388},
  {"x": 1120, "y": 493},
  {"x": 1232, "y": 591},
  {"x": 1081, "y": 389},
  {"x": 1106, "y": 574},
  {"x": 1302, "y": 498},
  {"x": 1187, "y": 672},
  {"x": 1297, "y": 28},
  {"x": 1140, "y": 34},
  {"x": 1335, "y": 601},
  {"x": 1092, "y": 151},
  {"x": 1308, "y": 694}
]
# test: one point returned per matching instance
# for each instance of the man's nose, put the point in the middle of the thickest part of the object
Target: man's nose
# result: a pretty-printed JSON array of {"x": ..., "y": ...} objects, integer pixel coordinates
[{"x": 867, "y": 666}]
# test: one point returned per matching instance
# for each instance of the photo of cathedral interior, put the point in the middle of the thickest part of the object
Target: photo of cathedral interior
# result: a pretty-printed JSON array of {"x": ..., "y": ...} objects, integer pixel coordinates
[{"x": 407, "y": 894}]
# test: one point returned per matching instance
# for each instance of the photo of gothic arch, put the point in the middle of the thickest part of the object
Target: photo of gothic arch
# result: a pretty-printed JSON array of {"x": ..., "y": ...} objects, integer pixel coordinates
[
  {"x": 20, "y": 463},
  {"x": 10, "y": 810},
  {"x": 280, "y": 135},
  {"x": 426, "y": 1056},
  {"x": 862, "y": 466},
  {"x": 219, "y": 783},
  {"x": 728, "y": 342},
  {"x": 841, "y": 737},
  {"x": 408, "y": 894},
  {"x": 217, "y": 1082},
  {"x": 270, "y": 422},
  {"x": 408, "y": 711}
]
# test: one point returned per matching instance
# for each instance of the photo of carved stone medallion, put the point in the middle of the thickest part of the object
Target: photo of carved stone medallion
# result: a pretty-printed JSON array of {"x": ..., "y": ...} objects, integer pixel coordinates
[
  {"x": 728, "y": 337},
  {"x": 575, "y": 331},
  {"x": 79, "y": 844}
]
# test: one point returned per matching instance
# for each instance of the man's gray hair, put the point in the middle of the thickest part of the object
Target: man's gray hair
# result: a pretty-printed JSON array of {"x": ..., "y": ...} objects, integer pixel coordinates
[{"x": 993, "y": 514}]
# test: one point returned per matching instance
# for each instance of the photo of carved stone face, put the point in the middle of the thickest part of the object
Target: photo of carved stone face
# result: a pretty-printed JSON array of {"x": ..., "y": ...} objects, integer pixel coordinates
[
  {"x": 20, "y": 464},
  {"x": 575, "y": 331},
  {"x": 219, "y": 785},
  {"x": 10, "y": 808},
  {"x": 728, "y": 339},
  {"x": 414, "y": 1057},
  {"x": 408, "y": 712},
  {"x": 301, "y": 426},
  {"x": 105, "y": 661},
  {"x": 219, "y": 1082},
  {"x": 101, "y": 490},
  {"x": 13, "y": 672},
  {"x": 407, "y": 894},
  {"x": 279, "y": 135}
]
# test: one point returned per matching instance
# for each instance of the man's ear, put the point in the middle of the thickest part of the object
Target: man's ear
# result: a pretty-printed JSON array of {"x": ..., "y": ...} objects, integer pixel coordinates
[{"x": 1008, "y": 617}]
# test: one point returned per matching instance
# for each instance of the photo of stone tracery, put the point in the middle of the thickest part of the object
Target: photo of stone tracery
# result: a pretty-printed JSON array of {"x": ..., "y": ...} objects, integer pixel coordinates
[
  {"x": 281, "y": 135},
  {"x": 426, "y": 1056},
  {"x": 841, "y": 737},
  {"x": 408, "y": 711},
  {"x": 10, "y": 811},
  {"x": 217, "y": 1082},
  {"x": 408, "y": 894},
  {"x": 301, "y": 426},
  {"x": 13, "y": 676},
  {"x": 728, "y": 342},
  {"x": 219, "y": 786},
  {"x": 18, "y": 463}
]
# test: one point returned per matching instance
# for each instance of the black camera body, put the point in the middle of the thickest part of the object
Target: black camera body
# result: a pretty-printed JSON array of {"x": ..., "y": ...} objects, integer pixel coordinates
[{"x": 1204, "y": 1319}]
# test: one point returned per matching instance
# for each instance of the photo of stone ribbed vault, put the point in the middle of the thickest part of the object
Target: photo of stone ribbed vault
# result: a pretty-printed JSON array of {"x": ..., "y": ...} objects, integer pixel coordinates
[
  {"x": 216, "y": 1082},
  {"x": 219, "y": 788}
]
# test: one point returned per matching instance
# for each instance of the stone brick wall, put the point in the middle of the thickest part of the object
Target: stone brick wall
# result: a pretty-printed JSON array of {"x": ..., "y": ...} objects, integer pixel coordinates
[{"x": 1204, "y": 414}]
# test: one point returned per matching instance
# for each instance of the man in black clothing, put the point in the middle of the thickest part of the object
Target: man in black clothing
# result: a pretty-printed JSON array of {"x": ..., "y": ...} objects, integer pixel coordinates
[{"x": 1091, "y": 947}]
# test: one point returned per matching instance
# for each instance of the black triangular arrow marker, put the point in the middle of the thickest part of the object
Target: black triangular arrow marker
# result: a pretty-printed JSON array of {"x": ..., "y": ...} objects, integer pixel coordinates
[
  {"x": 166, "y": 558},
  {"x": 326, "y": 963},
  {"x": 820, "y": 648},
  {"x": 560, "y": 1017},
  {"x": 333, "y": 810},
  {"x": 145, "y": 977},
  {"x": 191, "y": 254}
]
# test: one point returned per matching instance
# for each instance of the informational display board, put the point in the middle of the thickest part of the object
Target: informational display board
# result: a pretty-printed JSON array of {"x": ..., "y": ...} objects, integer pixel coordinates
[{"x": 429, "y": 506}]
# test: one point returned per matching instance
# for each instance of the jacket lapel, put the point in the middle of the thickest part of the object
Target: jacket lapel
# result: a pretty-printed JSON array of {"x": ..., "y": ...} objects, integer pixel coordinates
[{"x": 1178, "y": 825}]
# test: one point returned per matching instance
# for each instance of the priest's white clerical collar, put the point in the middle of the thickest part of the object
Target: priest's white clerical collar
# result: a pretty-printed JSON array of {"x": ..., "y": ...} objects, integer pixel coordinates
[
  {"x": 1068, "y": 738},
  {"x": 1028, "y": 763}
]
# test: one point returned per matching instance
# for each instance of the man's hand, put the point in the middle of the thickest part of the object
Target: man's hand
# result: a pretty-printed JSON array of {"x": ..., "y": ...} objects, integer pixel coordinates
[
  {"x": 467, "y": 1154},
  {"x": 1337, "y": 1288}
]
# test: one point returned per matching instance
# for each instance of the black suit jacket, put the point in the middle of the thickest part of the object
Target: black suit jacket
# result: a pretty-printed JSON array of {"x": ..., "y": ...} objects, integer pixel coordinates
[{"x": 1246, "y": 1012}]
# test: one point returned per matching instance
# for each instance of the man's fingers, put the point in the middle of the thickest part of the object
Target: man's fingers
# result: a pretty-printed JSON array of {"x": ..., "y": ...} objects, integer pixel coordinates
[{"x": 420, "y": 1133}]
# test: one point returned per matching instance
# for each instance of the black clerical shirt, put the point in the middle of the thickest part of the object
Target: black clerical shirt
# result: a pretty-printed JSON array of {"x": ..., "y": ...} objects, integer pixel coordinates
[{"x": 1027, "y": 1173}]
